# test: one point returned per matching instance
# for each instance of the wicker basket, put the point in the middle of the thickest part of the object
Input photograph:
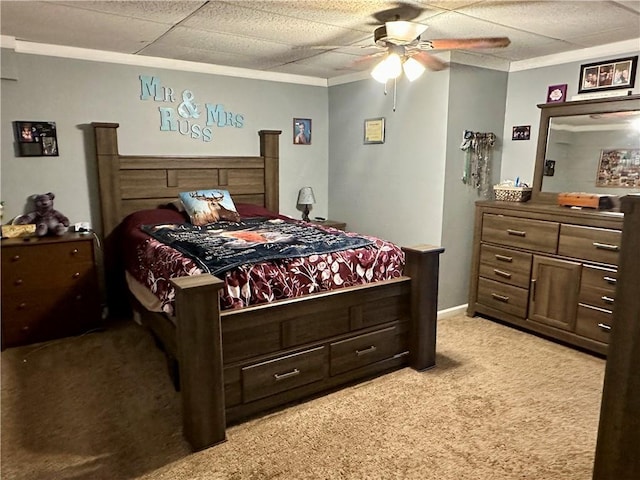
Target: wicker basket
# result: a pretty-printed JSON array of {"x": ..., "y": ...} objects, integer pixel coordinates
[{"x": 512, "y": 194}]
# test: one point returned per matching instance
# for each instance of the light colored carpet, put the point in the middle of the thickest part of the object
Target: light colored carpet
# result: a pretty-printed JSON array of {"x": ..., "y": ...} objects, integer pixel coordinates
[{"x": 501, "y": 404}]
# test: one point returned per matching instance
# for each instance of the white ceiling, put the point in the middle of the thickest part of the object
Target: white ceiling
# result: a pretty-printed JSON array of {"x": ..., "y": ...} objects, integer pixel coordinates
[{"x": 268, "y": 35}]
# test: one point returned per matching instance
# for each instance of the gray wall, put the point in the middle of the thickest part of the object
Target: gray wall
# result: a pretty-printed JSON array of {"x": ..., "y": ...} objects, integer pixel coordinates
[
  {"x": 406, "y": 190},
  {"x": 477, "y": 103},
  {"x": 74, "y": 93},
  {"x": 526, "y": 89},
  {"x": 392, "y": 190},
  {"x": 409, "y": 189}
]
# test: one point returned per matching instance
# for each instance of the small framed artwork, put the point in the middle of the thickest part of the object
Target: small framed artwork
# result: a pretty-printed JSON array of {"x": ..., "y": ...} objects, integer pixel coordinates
[
  {"x": 609, "y": 75},
  {"x": 374, "y": 130},
  {"x": 521, "y": 132},
  {"x": 36, "y": 139},
  {"x": 549, "y": 168},
  {"x": 557, "y": 93},
  {"x": 302, "y": 131}
]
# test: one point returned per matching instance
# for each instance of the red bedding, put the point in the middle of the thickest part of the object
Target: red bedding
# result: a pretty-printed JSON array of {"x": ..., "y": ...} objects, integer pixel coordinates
[{"x": 152, "y": 264}]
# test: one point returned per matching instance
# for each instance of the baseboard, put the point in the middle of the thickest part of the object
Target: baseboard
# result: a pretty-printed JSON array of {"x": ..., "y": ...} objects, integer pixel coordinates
[{"x": 452, "y": 312}]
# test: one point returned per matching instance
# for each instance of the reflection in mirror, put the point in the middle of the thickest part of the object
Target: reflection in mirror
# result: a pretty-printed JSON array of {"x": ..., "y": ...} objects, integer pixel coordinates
[{"x": 594, "y": 153}]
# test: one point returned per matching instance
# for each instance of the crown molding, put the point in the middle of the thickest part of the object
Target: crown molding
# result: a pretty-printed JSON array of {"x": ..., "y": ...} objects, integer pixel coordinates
[
  {"x": 32, "y": 48},
  {"x": 616, "y": 48}
]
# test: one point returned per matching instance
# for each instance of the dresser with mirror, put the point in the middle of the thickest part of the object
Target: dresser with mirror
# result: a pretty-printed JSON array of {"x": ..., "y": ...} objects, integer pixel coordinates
[{"x": 551, "y": 268}]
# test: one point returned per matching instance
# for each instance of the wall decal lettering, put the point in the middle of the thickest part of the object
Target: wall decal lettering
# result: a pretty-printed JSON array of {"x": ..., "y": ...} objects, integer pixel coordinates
[{"x": 187, "y": 118}]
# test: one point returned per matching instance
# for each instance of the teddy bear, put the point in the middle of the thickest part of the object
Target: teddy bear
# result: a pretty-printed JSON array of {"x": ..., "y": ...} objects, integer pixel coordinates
[{"x": 47, "y": 220}]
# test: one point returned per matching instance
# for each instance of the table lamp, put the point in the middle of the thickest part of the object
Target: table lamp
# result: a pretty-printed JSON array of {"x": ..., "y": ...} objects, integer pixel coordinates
[{"x": 306, "y": 198}]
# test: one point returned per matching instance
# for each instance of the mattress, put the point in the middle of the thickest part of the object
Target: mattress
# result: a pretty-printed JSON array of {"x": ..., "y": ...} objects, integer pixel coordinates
[{"x": 150, "y": 265}]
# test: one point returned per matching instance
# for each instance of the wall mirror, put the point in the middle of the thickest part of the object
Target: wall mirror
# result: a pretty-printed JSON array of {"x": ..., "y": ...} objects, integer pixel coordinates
[{"x": 590, "y": 146}]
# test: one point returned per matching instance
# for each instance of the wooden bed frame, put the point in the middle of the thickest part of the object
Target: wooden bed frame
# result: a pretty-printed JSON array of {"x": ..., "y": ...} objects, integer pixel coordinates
[{"x": 234, "y": 364}]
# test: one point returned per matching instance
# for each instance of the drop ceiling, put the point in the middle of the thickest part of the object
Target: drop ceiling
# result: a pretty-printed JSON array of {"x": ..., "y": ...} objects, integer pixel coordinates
[{"x": 282, "y": 36}]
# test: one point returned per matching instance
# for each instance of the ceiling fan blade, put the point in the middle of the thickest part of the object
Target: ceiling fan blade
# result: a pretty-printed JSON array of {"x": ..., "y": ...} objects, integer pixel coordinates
[
  {"x": 429, "y": 61},
  {"x": 464, "y": 43}
]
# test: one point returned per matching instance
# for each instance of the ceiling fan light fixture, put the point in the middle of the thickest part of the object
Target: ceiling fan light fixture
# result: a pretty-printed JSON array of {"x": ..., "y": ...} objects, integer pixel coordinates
[
  {"x": 413, "y": 69},
  {"x": 390, "y": 67},
  {"x": 400, "y": 31}
]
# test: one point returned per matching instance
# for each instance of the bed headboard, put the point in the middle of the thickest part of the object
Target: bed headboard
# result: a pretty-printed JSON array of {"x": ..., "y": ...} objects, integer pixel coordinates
[{"x": 136, "y": 182}]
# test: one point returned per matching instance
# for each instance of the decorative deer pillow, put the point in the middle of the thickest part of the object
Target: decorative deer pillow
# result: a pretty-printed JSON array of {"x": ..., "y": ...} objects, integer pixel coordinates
[{"x": 209, "y": 206}]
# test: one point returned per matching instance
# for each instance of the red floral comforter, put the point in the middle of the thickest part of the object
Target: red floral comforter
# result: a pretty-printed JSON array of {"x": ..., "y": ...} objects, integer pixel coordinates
[{"x": 153, "y": 264}]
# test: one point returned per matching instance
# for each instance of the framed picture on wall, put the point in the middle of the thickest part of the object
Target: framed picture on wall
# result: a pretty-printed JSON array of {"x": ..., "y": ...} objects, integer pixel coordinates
[
  {"x": 36, "y": 139},
  {"x": 609, "y": 75},
  {"x": 374, "y": 130},
  {"x": 302, "y": 131},
  {"x": 521, "y": 132}
]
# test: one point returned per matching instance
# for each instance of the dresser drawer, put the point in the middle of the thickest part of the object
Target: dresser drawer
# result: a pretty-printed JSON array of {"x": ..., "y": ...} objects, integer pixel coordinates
[
  {"x": 506, "y": 298},
  {"x": 588, "y": 243},
  {"x": 368, "y": 348},
  {"x": 504, "y": 265},
  {"x": 18, "y": 279},
  {"x": 599, "y": 277},
  {"x": 25, "y": 257},
  {"x": 595, "y": 290},
  {"x": 46, "y": 314},
  {"x": 594, "y": 323},
  {"x": 538, "y": 235},
  {"x": 276, "y": 376}
]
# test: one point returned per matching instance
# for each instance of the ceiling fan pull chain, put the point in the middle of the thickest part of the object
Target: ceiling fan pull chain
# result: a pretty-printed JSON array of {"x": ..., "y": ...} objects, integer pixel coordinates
[{"x": 395, "y": 84}]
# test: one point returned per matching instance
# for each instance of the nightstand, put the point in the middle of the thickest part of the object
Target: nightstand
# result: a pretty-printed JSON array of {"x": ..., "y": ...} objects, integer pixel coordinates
[
  {"x": 330, "y": 223},
  {"x": 49, "y": 288}
]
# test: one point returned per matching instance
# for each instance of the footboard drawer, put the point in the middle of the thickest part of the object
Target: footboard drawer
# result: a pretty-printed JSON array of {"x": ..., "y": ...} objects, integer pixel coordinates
[
  {"x": 275, "y": 376},
  {"x": 366, "y": 349}
]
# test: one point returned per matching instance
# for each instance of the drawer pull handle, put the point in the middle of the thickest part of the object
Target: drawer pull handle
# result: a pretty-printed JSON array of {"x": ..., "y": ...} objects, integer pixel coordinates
[
  {"x": 501, "y": 273},
  {"x": 371, "y": 349},
  {"x": 18, "y": 282},
  {"x": 610, "y": 280},
  {"x": 74, "y": 251},
  {"x": 284, "y": 376},
  {"x": 608, "y": 300},
  {"x": 606, "y": 246},
  {"x": 501, "y": 298},
  {"x": 517, "y": 233},
  {"x": 76, "y": 275},
  {"x": 533, "y": 289},
  {"x": 22, "y": 306},
  {"x": 15, "y": 258},
  {"x": 503, "y": 258},
  {"x": 604, "y": 326},
  {"x": 25, "y": 328}
]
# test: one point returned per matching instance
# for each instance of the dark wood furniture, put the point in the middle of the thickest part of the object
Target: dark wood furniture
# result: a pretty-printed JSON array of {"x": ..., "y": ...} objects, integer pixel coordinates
[
  {"x": 331, "y": 223},
  {"x": 548, "y": 268},
  {"x": 237, "y": 363},
  {"x": 49, "y": 288},
  {"x": 619, "y": 430}
]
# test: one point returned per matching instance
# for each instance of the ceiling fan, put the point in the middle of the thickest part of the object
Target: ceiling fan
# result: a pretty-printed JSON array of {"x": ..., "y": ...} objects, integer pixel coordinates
[
  {"x": 404, "y": 50},
  {"x": 400, "y": 43}
]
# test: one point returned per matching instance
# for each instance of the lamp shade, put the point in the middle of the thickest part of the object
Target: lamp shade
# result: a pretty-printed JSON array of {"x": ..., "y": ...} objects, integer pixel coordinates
[
  {"x": 305, "y": 196},
  {"x": 390, "y": 67},
  {"x": 412, "y": 68}
]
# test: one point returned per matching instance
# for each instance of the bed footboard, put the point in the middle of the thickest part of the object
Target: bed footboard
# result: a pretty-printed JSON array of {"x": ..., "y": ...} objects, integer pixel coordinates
[{"x": 235, "y": 364}]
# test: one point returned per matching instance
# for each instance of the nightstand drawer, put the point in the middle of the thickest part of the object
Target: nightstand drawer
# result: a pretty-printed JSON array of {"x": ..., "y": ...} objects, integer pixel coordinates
[
  {"x": 281, "y": 374},
  {"x": 26, "y": 257},
  {"x": 538, "y": 235},
  {"x": 367, "y": 348},
  {"x": 506, "y": 266},
  {"x": 17, "y": 279}
]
